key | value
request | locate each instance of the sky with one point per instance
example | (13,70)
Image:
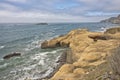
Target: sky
(25,11)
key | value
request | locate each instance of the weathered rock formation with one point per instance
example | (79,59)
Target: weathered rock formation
(89,53)
(114,20)
(8,56)
(113,30)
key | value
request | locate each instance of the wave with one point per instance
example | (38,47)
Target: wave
(4,65)
(42,61)
(33,45)
(36,67)
(20,40)
(1,47)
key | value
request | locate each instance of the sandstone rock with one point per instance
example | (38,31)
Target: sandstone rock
(81,64)
(97,63)
(79,71)
(70,76)
(63,72)
(113,30)
(66,68)
(99,37)
(85,52)
(64,43)
(91,57)
(44,45)
(50,44)
(64,76)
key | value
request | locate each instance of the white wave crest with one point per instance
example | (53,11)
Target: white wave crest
(1,47)
(4,65)
(33,45)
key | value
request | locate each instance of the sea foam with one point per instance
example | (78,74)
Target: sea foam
(1,47)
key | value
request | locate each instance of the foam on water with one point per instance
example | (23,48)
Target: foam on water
(1,47)
(33,45)
(4,65)
(35,65)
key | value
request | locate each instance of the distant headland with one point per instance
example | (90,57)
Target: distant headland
(114,20)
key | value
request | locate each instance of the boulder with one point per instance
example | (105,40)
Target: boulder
(12,55)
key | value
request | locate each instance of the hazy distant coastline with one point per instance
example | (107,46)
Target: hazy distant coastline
(114,20)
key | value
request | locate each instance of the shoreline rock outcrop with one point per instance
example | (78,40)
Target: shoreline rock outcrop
(87,59)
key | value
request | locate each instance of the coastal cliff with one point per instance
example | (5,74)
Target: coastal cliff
(114,20)
(90,55)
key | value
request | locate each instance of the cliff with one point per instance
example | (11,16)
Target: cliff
(90,54)
(114,20)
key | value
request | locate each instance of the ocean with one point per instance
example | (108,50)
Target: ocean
(26,38)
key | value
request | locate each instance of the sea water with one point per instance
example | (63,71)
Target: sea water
(26,39)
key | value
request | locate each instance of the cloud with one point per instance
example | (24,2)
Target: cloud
(102,13)
(6,6)
(7,16)
(101,5)
(57,10)
(21,1)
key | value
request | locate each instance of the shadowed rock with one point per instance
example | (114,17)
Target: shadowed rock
(52,44)
(99,37)
(12,55)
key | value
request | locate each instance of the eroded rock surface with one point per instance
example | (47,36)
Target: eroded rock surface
(89,50)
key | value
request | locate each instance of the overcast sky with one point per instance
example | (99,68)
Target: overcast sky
(57,10)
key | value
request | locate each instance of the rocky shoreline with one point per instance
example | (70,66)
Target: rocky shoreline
(61,61)
(87,56)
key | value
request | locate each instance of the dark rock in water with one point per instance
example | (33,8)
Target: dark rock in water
(12,55)
(114,20)
(42,24)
